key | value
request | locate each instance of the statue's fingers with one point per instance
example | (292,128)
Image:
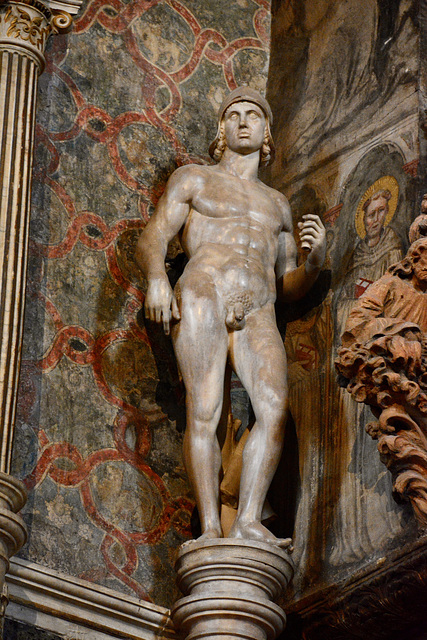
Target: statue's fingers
(307,237)
(166,321)
(158,315)
(313,217)
(311,224)
(149,313)
(175,309)
(308,229)
(314,221)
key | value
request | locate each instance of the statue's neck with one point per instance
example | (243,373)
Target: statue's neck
(242,166)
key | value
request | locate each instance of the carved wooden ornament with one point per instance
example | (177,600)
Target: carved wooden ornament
(383,363)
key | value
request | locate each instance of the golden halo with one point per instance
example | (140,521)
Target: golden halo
(386,182)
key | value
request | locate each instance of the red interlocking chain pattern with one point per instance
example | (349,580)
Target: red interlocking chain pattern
(89,229)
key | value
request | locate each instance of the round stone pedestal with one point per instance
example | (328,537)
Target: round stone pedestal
(230,587)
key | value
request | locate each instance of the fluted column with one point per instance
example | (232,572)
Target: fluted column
(24,29)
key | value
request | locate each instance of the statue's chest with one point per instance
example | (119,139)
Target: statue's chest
(239,199)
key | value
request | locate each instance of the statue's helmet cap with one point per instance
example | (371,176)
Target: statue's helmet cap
(245,94)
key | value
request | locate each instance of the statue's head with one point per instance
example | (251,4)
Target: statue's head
(414,264)
(417,253)
(244,95)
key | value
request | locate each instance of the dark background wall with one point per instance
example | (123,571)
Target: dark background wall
(344,87)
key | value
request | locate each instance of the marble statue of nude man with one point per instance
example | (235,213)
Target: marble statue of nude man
(237,234)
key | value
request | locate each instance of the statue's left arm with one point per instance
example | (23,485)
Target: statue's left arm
(294,282)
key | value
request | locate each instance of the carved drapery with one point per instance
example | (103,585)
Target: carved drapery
(24,29)
(383,361)
(385,375)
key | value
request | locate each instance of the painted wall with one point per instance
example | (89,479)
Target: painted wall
(127,97)
(343,86)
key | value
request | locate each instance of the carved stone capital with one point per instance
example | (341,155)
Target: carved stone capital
(26,25)
(230,589)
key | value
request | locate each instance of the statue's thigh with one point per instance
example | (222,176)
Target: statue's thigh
(200,338)
(259,359)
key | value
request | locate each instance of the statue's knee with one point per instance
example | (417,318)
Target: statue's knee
(204,417)
(276,403)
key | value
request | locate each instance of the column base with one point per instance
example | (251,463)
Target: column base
(230,587)
(13,532)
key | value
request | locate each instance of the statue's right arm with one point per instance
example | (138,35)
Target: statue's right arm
(294,282)
(170,215)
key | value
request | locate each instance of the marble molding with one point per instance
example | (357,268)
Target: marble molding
(24,29)
(230,589)
(74,608)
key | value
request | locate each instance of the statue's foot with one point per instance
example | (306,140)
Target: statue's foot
(209,534)
(257,531)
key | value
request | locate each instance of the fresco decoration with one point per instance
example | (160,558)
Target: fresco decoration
(348,70)
(345,514)
(127,97)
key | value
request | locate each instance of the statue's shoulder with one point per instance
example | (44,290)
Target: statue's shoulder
(191,170)
(275,195)
(282,205)
(189,174)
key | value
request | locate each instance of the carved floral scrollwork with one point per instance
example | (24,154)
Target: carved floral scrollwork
(61,22)
(383,363)
(389,374)
(26,27)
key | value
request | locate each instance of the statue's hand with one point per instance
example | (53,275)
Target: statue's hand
(313,237)
(160,303)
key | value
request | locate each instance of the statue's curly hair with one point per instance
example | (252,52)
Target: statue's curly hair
(405,268)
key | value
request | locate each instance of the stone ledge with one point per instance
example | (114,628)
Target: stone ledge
(383,601)
(57,602)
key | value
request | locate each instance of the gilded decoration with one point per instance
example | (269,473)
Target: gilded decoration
(386,183)
(31,22)
(22,25)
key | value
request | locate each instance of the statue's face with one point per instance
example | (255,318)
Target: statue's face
(420,265)
(244,127)
(375,216)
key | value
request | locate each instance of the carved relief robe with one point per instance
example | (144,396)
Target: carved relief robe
(387,303)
